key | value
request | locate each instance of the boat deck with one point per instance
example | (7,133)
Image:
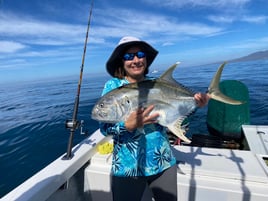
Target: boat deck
(204,174)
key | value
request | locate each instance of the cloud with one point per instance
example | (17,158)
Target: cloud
(111,23)
(261,19)
(42,37)
(33,31)
(217,4)
(147,25)
(221,18)
(225,11)
(10,46)
(59,37)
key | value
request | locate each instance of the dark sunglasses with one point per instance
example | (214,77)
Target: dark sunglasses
(130,56)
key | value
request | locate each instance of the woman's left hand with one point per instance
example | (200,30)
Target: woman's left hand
(201,99)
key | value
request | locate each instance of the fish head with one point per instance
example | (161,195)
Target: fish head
(112,109)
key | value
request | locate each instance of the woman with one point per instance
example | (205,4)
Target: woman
(139,158)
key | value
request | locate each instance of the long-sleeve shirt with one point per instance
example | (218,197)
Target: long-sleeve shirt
(143,152)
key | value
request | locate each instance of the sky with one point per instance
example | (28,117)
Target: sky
(41,39)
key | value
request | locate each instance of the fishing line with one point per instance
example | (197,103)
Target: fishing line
(73,124)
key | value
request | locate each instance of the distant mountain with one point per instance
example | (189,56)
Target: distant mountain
(254,56)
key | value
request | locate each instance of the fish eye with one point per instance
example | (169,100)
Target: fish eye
(101,105)
(125,100)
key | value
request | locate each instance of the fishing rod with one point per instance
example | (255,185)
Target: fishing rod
(73,124)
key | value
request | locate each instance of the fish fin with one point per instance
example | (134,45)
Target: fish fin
(167,75)
(214,90)
(177,129)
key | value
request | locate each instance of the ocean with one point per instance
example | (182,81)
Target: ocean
(33,114)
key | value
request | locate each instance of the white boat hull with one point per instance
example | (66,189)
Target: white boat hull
(204,174)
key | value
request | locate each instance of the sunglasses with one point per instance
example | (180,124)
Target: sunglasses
(130,56)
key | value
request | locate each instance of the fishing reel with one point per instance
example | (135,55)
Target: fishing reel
(75,124)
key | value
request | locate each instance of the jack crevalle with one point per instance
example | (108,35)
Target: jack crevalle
(173,101)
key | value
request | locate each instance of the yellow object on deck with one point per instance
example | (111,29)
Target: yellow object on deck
(105,148)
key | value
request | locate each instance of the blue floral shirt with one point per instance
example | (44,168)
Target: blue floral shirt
(143,152)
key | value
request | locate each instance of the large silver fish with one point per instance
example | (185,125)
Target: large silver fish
(173,101)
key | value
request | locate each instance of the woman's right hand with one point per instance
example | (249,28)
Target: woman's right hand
(140,117)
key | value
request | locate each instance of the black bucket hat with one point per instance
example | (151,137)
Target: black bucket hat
(115,59)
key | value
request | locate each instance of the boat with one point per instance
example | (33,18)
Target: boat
(204,173)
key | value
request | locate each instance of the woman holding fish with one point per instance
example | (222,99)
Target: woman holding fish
(142,154)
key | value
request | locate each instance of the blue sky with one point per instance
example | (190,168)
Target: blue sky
(45,38)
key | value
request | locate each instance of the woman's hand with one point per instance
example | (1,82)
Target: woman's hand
(140,117)
(201,99)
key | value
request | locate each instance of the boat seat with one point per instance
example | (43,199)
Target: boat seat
(225,120)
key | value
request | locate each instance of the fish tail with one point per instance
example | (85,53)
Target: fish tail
(214,90)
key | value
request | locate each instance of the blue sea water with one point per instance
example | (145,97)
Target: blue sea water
(32,129)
